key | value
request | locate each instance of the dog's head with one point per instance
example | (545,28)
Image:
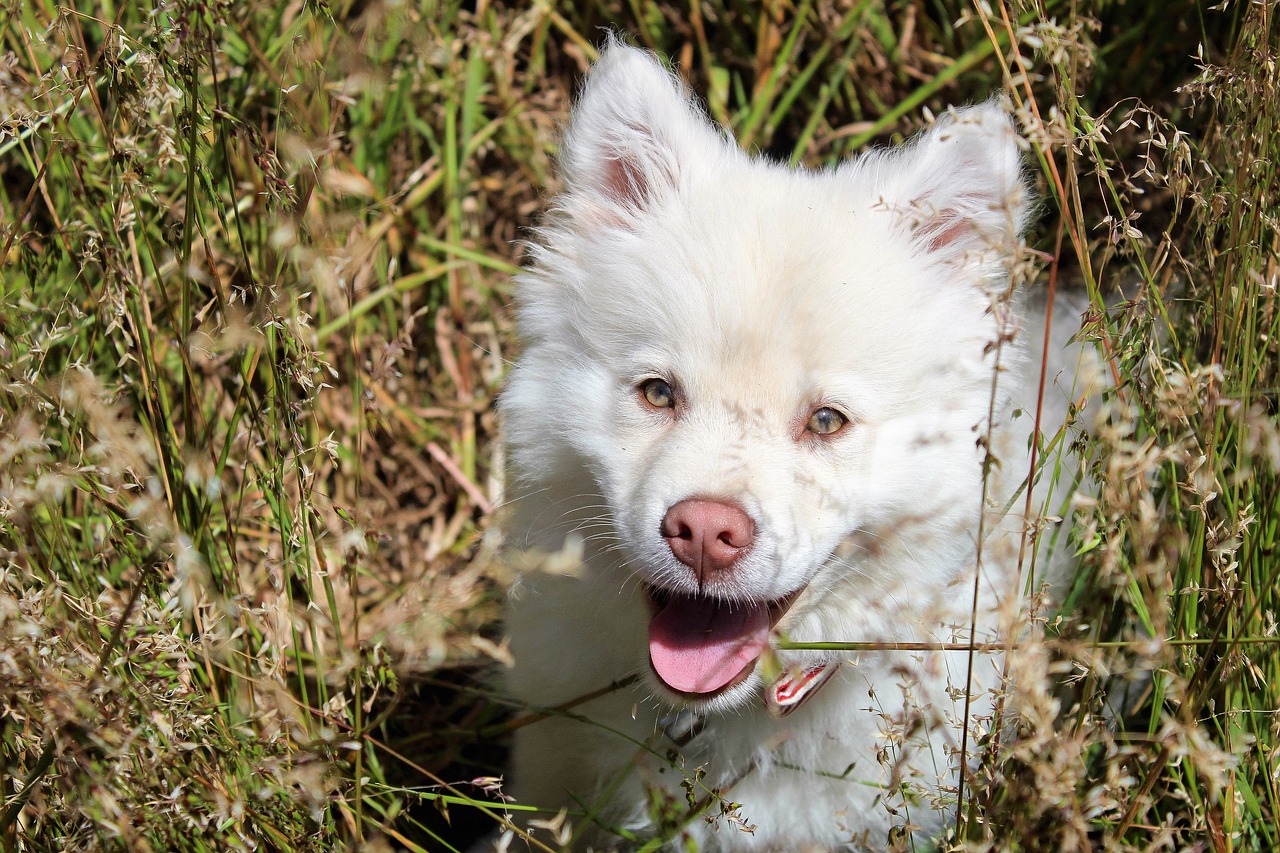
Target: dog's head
(775,381)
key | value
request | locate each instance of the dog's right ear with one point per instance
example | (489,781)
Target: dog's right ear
(634,138)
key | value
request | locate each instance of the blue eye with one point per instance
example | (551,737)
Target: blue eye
(658,393)
(826,421)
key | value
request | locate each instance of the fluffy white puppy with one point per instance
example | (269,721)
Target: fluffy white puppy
(755,402)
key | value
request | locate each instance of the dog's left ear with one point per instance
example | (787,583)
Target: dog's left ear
(634,138)
(959,188)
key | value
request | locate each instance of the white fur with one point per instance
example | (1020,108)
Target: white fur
(764,292)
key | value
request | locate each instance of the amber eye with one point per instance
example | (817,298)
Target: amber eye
(826,421)
(658,393)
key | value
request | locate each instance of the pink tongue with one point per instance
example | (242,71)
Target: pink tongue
(700,645)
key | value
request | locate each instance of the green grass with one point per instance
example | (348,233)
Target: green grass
(254,296)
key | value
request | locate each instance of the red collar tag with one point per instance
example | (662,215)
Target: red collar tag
(794,687)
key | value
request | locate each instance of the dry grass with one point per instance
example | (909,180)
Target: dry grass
(255,273)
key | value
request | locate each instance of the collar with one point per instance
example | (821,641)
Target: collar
(794,687)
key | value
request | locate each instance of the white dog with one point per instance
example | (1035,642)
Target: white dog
(754,405)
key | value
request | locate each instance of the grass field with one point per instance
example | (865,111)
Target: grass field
(255,267)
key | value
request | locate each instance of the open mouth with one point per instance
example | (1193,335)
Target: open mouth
(701,646)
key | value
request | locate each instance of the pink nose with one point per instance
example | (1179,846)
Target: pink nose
(708,536)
